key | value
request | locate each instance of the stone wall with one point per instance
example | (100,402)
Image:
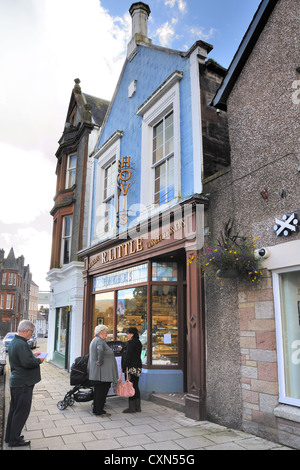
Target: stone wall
(259,377)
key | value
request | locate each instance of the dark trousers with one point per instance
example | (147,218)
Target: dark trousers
(20,405)
(135,382)
(100,394)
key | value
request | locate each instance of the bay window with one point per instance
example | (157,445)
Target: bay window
(66,240)
(71,171)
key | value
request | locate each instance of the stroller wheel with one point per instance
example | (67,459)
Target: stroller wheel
(71,401)
(62,405)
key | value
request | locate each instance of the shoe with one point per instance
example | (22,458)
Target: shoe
(138,405)
(20,444)
(7,441)
(131,408)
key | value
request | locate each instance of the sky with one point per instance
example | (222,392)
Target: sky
(44,46)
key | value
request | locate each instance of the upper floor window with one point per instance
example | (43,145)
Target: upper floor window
(3,279)
(104,210)
(12,279)
(66,240)
(71,171)
(163,160)
(110,178)
(161,155)
(10,301)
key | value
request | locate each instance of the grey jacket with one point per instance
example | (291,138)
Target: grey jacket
(102,353)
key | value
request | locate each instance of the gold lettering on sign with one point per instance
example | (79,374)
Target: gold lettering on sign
(124,177)
(134,246)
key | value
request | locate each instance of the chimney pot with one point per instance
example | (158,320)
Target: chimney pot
(139,12)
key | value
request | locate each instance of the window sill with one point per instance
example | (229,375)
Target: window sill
(288,412)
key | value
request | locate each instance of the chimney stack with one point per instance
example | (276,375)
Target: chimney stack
(139,13)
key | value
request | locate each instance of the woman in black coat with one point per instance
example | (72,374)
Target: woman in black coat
(131,359)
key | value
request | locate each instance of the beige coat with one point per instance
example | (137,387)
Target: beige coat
(100,352)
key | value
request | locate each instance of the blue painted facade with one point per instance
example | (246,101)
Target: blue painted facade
(156,86)
(150,68)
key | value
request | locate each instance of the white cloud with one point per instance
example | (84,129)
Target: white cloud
(180,4)
(201,34)
(45,45)
(27,184)
(35,246)
(165,34)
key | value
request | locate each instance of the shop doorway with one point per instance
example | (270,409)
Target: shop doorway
(61,353)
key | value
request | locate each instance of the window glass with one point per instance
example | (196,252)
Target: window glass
(134,275)
(71,171)
(61,330)
(290,320)
(164,183)
(104,312)
(66,239)
(164,272)
(132,311)
(164,325)
(110,179)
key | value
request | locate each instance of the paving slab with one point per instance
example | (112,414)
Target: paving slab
(157,427)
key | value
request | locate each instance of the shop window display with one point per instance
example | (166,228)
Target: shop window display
(132,311)
(126,304)
(104,312)
(164,325)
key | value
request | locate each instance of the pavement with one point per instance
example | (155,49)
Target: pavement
(156,428)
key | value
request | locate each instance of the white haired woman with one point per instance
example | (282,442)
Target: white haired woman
(103,369)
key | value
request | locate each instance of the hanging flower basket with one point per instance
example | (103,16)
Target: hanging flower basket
(228,273)
(231,257)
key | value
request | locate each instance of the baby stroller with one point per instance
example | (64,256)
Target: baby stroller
(80,378)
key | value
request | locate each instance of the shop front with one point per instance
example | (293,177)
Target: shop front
(147,282)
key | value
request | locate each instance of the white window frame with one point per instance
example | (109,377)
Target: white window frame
(70,170)
(108,153)
(4,279)
(109,218)
(283,398)
(2,301)
(164,160)
(165,99)
(9,304)
(64,237)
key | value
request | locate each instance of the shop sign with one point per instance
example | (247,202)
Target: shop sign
(288,225)
(136,245)
(124,177)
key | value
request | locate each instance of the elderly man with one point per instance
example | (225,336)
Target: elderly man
(25,373)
